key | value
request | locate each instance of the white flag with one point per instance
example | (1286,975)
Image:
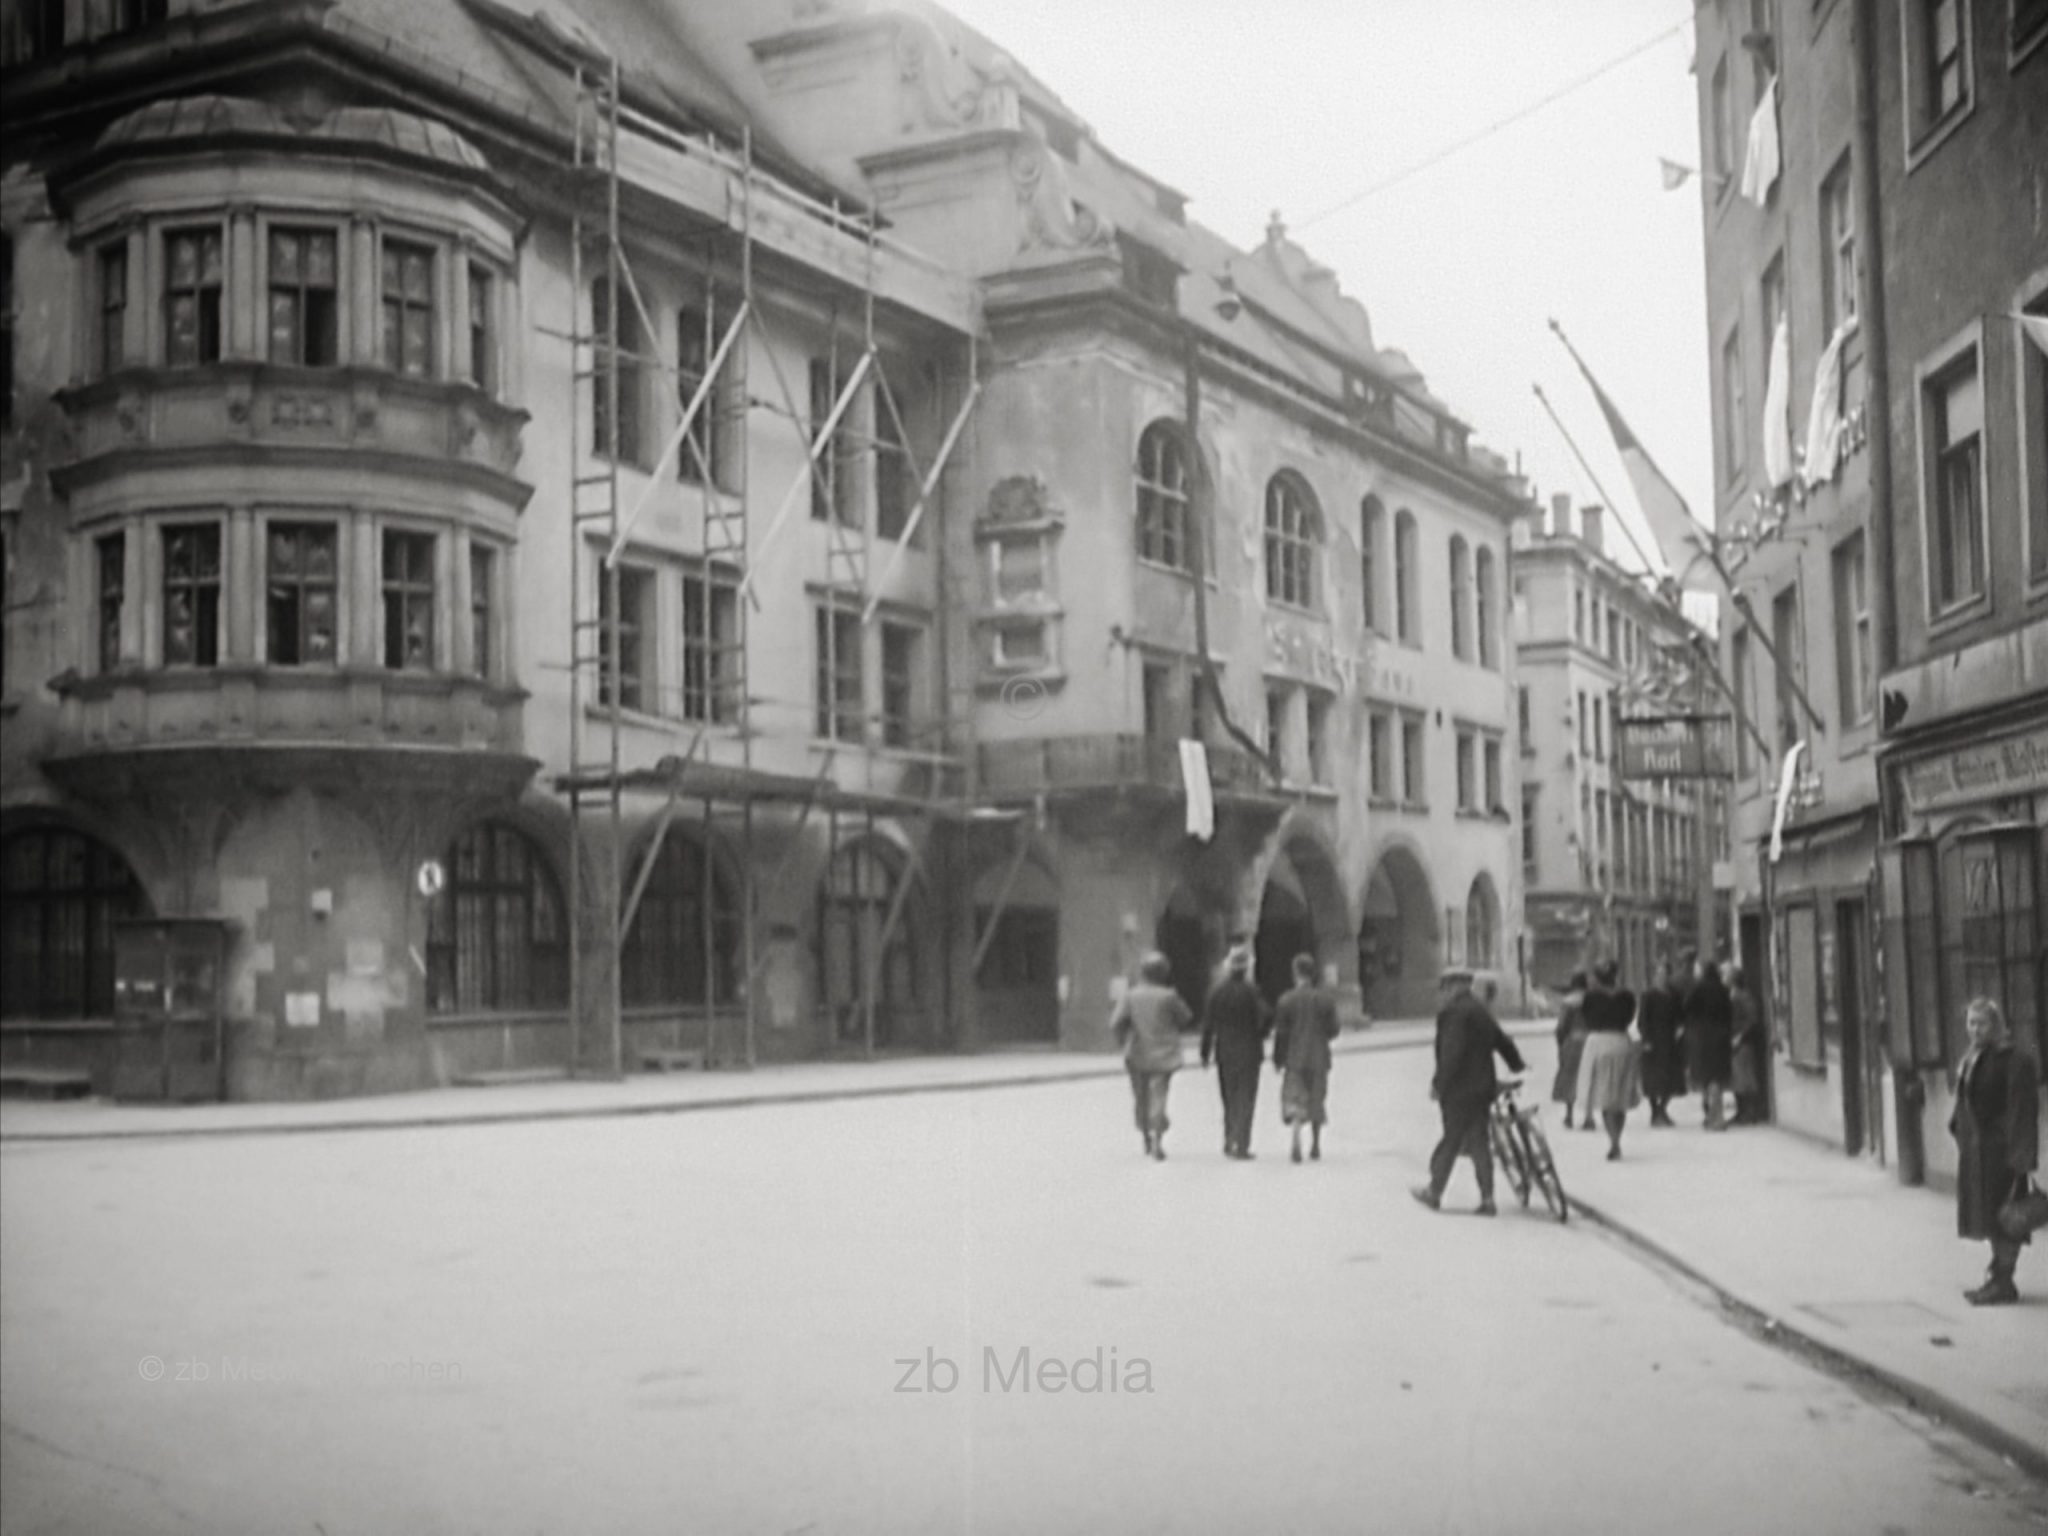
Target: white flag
(1778,408)
(1788,780)
(1194,775)
(1760,158)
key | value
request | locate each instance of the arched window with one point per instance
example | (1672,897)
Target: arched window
(495,935)
(854,905)
(1484,608)
(1482,924)
(683,946)
(1461,598)
(64,893)
(1372,530)
(1407,596)
(1294,529)
(1163,497)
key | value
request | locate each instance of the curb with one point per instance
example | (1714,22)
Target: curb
(2021,1452)
(1359,1043)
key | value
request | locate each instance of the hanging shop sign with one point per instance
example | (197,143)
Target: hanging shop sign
(1674,747)
(2016,766)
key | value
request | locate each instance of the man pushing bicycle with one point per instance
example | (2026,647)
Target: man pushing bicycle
(1468,1037)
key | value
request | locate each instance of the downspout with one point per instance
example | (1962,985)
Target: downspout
(1864,23)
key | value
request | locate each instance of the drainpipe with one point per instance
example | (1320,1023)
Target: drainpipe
(1864,22)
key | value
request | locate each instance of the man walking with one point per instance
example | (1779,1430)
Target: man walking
(1301,1047)
(1147,1024)
(1234,1026)
(1468,1037)
(1708,1027)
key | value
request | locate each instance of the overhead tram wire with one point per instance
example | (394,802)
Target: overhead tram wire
(1498,125)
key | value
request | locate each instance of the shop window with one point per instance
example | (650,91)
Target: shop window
(859,950)
(192,288)
(1953,402)
(840,688)
(305,315)
(1163,497)
(711,648)
(496,941)
(64,893)
(408,600)
(110,554)
(624,671)
(408,281)
(1024,954)
(192,595)
(1294,534)
(684,944)
(300,595)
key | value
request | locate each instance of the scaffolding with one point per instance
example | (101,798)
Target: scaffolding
(612,332)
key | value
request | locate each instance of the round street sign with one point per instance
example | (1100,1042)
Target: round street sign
(432,878)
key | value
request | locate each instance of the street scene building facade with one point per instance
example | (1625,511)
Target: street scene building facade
(589,536)
(1878,430)
(1611,865)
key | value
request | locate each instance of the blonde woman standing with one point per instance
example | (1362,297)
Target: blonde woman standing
(1997,1132)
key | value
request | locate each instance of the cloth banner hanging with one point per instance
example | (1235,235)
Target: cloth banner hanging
(1778,408)
(1788,781)
(1760,157)
(1824,426)
(1194,775)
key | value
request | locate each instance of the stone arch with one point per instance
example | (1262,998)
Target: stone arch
(1185,935)
(857,890)
(65,889)
(1302,910)
(667,954)
(1482,924)
(1018,980)
(1398,938)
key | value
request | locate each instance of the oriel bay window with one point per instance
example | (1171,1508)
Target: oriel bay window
(192,594)
(495,934)
(482,296)
(304,312)
(300,596)
(192,286)
(110,554)
(409,600)
(408,291)
(113,316)
(483,608)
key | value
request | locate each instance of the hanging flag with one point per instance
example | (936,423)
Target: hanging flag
(1788,780)
(2036,327)
(1778,408)
(1760,158)
(1824,425)
(1674,174)
(1682,542)
(1194,774)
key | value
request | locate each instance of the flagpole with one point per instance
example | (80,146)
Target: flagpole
(1634,543)
(1710,546)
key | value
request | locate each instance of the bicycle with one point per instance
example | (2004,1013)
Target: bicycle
(1522,1151)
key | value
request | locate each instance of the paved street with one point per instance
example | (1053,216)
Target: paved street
(706,1322)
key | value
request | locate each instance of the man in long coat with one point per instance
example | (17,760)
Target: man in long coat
(1996,1124)
(1234,1027)
(1663,1061)
(1468,1037)
(1709,1041)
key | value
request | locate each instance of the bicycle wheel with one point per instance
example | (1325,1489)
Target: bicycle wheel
(1544,1167)
(1507,1156)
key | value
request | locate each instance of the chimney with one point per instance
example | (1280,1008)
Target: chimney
(1590,518)
(1560,520)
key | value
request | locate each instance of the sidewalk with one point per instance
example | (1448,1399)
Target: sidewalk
(1834,1251)
(27,1120)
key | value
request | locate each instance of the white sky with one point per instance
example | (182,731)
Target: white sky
(1251,105)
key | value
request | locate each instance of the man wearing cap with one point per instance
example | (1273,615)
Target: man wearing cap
(1147,1023)
(1234,1026)
(1468,1037)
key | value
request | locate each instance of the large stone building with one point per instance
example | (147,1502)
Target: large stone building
(572,575)
(1611,866)
(1879,435)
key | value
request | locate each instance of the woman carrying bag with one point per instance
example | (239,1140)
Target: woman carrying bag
(1997,1134)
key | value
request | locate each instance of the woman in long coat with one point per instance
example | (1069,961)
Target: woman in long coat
(1571,1045)
(1708,1041)
(1663,1063)
(1997,1132)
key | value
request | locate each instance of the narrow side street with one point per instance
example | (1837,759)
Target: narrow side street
(715,1323)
